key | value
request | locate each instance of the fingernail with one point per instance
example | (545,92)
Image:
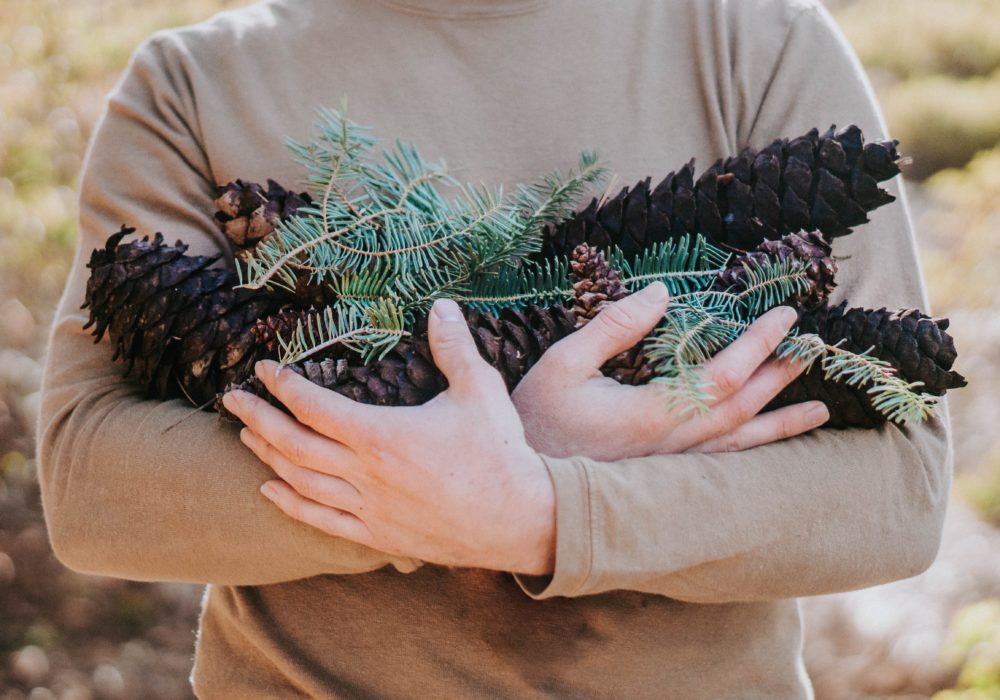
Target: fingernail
(818,412)
(653,294)
(246,437)
(788,315)
(263,367)
(231,401)
(447,310)
(268,490)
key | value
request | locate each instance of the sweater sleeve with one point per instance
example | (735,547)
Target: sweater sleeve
(142,489)
(824,512)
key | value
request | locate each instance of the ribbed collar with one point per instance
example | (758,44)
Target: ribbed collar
(459,9)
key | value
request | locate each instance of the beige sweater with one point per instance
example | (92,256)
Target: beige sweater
(675,575)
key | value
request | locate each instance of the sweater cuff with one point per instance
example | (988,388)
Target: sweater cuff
(574,536)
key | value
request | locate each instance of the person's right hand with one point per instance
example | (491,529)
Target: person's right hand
(569,408)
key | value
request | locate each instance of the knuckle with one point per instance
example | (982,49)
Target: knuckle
(306,407)
(295,450)
(555,360)
(450,340)
(732,443)
(615,320)
(726,380)
(787,427)
(306,483)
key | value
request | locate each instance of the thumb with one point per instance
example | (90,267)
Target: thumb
(452,346)
(617,327)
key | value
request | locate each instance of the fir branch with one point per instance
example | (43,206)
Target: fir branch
(539,284)
(892,396)
(555,197)
(684,264)
(371,331)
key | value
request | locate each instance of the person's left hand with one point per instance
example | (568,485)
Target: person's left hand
(450,482)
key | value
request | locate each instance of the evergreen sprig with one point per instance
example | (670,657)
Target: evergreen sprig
(399,217)
(370,331)
(391,233)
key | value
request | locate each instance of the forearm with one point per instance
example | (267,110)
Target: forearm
(825,512)
(137,488)
(149,491)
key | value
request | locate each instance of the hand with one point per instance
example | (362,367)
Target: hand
(451,482)
(569,408)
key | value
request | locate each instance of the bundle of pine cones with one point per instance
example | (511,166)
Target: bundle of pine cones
(185,328)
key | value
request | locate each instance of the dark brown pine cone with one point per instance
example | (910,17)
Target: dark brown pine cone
(407,376)
(914,343)
(268,332)
(177,322)
(595,282)
(809,248)
(247,214)
(825,183)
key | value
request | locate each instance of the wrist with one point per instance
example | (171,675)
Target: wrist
(533,520)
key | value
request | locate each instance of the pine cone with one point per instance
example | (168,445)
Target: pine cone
(176,321)
(268,332)
(915,344)
(809,248)
(825,183)
(595,282)
(247,214)
(407,376)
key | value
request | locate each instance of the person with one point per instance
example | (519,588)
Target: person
(654,566)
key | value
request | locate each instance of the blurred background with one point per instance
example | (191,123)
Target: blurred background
(936,67)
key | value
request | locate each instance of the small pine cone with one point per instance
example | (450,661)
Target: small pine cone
(178,323)
(247,214)
(512,342)
(810,248)
(595,282)
(268,332)
(825,183)
(915,344)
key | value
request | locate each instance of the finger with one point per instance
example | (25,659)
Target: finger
(316,486)
(615,329)
(766,383)
(772,426)
(330,520)
(295,441)
(455,352)
(325,411)
(729,370)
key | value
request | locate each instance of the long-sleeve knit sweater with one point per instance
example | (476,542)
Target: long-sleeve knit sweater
(675,575)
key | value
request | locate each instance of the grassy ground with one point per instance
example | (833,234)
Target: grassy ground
(937,69)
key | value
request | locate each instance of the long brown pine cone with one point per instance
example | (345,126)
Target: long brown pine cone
(912,342)
(184,331)
(177,322)
(827,183)
(512,342)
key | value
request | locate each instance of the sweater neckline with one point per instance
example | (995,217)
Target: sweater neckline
(466,9)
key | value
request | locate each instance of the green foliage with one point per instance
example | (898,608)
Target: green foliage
(962,247)
(370,330)
(683,265)
(700,324)
(981,488)
(913,38)
(401,228)
(974,647)
(57,62)
(943,122)
(388,239)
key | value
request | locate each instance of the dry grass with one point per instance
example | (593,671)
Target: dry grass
(912,38)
